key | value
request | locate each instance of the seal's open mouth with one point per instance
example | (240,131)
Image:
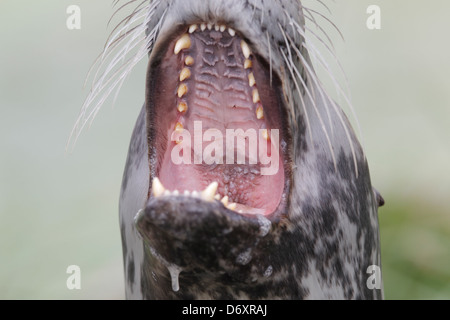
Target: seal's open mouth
(217,129)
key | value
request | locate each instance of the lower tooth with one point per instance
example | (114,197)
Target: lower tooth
(232,206)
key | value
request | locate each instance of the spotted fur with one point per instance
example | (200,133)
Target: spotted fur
(329,237)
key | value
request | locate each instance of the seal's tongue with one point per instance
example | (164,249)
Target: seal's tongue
(216,119)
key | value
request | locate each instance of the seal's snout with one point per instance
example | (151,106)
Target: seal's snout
(190,232)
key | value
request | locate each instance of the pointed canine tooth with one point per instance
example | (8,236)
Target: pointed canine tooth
(182,90)
(217,197)
(203,26)
(210,191)
(216,27)
(209,26)
(157,187)
(225,201)
(232,206)
(189,61)
(231,32)
(259,112)
(183,43)
(256,98)
(248,64)
(192,28)
(222,28)
(245,49)
(182,107)
(251,79)
(185,74)
(265,134)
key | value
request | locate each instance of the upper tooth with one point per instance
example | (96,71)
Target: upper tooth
(183,43)
(209,26)
(265,134)
(217,27)
(182,107)
(182,90)
(231,32)
(259,113)
(247,64)
(256,98)
(251,79)
(189,61)
(245,49)
(157,187)
(210,191)
(192,28)
(222,28)
(203,26)
(185,74)
(178,126)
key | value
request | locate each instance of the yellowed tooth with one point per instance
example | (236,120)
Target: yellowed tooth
(232,206)
(216,27)
(248,64)
(265,134)
(251,79)
(231,32)
(209,26)
(217,197)
(245,49)
(182,107)
(225,201)
(255,95)
(259,112)
(210,191)
(182,90)
(203,26)
(178,126)
(222,28)
(185,74)
(157,188)
(183,43)
(189,61)
(192,28)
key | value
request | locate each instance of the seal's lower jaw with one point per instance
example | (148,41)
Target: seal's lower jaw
(216,123)
(191,233)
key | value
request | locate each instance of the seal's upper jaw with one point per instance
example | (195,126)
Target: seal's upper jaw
(216,122)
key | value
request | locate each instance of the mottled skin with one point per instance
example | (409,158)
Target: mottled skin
(328,236)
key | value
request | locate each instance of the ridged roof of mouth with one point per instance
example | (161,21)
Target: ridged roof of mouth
(216,122)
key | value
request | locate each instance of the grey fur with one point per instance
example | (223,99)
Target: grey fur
(330,236)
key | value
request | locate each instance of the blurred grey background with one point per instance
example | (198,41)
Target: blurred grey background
(60,208)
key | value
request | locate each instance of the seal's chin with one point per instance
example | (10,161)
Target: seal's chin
(216,123)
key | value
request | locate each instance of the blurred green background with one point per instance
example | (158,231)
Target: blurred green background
(59,209)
